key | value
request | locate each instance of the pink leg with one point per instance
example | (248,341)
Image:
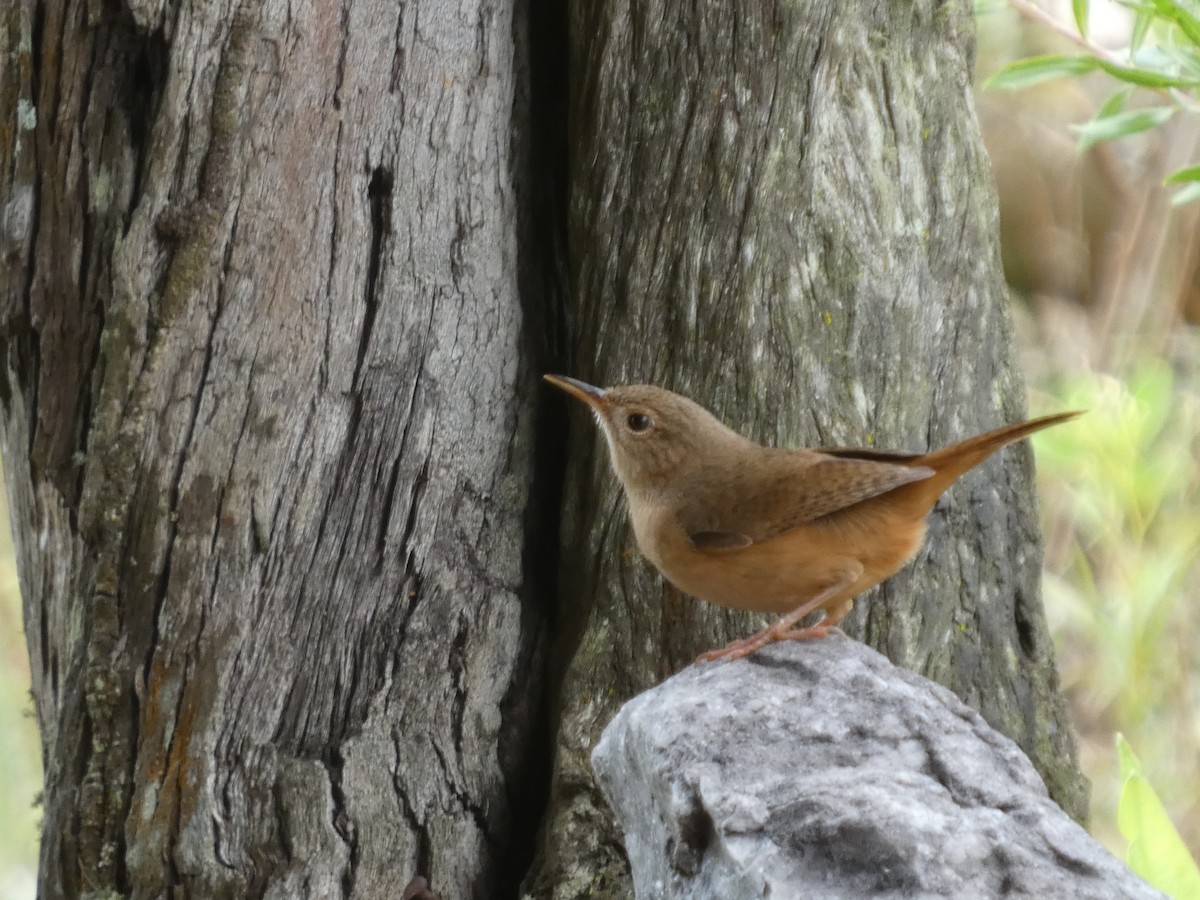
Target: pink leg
(784,629)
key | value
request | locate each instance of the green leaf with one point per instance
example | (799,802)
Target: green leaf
(1189,194)
(1121,125)
(1141,27)
(1156,851)
(1127,760)
(1188,173)
(1115,103)
(1184,58)
(1036,69)
(1188,24)
(1080,8)
(1137,5)
(1145,77)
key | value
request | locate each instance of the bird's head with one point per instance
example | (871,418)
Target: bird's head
(654,436)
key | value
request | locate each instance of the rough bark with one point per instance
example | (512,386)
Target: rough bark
(273,280)
(267,435)
(784,211)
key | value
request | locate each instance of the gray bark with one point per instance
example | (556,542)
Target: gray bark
(266,428)
(825,771)
(275,278)
(785,212)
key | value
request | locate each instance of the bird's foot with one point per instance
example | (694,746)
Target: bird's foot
(820,631)
(734,650)
(746,646)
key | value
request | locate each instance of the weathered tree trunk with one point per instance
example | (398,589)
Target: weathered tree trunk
(785,212)
(275,279)
(267,432)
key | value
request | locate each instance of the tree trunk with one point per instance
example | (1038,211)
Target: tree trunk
(278,279)
(267,432)
(785,212)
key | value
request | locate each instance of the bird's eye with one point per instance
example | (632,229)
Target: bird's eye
(639,422)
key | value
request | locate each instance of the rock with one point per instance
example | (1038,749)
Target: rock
(821,770)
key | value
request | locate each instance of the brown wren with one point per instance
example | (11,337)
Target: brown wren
(764,529)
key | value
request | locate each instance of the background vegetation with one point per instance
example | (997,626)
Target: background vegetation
(20,759)
(1120,497)
(1105,268)
(1095,147)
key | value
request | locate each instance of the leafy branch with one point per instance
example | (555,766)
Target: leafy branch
(1168,65)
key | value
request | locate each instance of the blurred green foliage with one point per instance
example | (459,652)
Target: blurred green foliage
(1162,55)
(20,759)
(1120,492)
(1156,851)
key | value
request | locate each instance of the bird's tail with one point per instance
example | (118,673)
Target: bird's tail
(951,462)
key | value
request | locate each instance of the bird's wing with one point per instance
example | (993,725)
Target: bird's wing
(753,506)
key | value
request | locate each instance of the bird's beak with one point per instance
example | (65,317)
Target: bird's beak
(580,390)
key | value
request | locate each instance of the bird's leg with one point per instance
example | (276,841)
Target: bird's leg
(785,630)
(833,615)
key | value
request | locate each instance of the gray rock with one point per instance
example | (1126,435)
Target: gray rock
(821,770)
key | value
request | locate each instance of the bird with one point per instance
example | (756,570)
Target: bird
(767,529)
